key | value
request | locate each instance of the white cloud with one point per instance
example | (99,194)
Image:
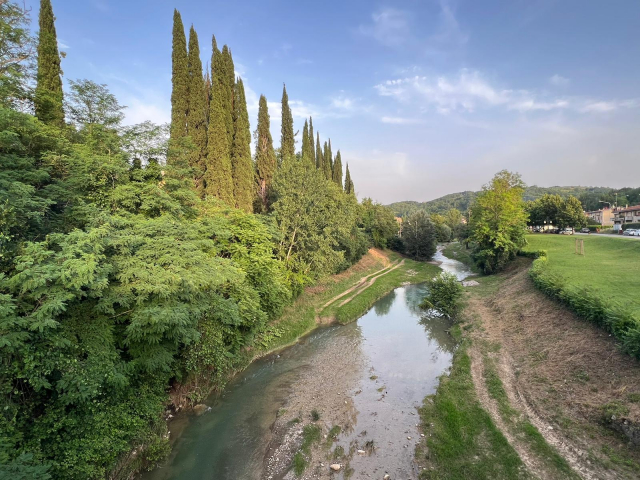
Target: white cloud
(62,45)
(343,103)
(449,30)
(401,120)
(389,26)
(139,111)
(559,81)
(469,91)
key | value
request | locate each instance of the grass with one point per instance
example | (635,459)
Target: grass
(411,271)
(610,265)
(463,442)
(311,434)
(524,429)
(457,251)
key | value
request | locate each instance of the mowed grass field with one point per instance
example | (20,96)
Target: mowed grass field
(610,265)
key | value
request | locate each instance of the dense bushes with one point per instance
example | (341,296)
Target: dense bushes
(445,293)
(611,315)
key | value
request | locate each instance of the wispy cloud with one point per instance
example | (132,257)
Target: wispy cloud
(62,45)
(559,81)
(388,26)
(469,90)
(401,120)
(449,30)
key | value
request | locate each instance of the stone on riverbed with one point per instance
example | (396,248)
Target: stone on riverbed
(470,283)
(201,408)
(335,467)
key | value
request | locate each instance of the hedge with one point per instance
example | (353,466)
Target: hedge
(611,315)
(627,226)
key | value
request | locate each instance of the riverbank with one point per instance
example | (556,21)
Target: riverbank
(534,391)
(340,298)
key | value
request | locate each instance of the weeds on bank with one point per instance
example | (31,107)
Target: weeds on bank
(311,434)
(463,441)
(522,428)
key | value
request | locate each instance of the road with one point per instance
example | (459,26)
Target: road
(607,236)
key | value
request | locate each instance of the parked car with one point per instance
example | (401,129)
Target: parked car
(566,231)
(585,230)
(629,232)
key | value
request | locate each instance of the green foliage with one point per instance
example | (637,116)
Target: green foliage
(48,98)
(311,152)
(337,170)
(348,183)
(305,141)
(16,50)
(218,174)
(287,141)
(225,74)
(196,113)
(378,223)
(319,154)
(419,236)
(557,211)
(445,293)
(242,166)
(179,80)
(498,222)
(265,156)
(327,163)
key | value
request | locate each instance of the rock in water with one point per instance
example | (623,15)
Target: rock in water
(470,283)
(200,409)
(386,477)
(335,467)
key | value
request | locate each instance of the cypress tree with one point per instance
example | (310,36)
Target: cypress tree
(218,174)
(327,161)
(287,142)
(197,112)
(207,93)
(312,147)
(179,80)
(265,155)
(228,78)
(48,95)
(319,158)
(348,184)
(242,165)
(337,170)
(305,142)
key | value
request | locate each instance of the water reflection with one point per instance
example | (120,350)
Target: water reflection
(382,306)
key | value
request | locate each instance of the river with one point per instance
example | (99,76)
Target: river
(368,377)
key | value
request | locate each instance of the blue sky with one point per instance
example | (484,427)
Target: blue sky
(423,98)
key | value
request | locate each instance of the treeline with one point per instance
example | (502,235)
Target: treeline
(591,198)
(130,257)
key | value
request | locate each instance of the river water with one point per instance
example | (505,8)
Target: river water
(369,377)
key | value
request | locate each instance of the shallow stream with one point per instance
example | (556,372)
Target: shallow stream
(369,377)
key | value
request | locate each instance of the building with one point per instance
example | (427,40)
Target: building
(626,215)
(602,217)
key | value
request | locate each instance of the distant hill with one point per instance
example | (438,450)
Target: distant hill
(463,200)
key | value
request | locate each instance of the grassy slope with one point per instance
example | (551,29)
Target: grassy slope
(611,265)
(300,318)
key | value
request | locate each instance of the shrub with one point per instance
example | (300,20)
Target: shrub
(444,294)
(627,226)
(613,316)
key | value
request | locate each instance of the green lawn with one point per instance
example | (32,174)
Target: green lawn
(610,265)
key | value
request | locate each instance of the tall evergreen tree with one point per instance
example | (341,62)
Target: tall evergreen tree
(305,142)
(48,98)
(287,142)
(197,112)
(348,183)
(242,165)
(327,161)
(228,78)
(265,156)
(337,169)
(207,93)
(319,158)
(312,146)
(179,81)
(218,174)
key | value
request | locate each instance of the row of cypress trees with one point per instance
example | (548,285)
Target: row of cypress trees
(209,117)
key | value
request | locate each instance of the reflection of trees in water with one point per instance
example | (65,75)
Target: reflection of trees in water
(437,328)
(383,305)
(414,294)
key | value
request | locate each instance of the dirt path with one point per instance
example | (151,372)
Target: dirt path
(371,282)
(558,372)
(358,284)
